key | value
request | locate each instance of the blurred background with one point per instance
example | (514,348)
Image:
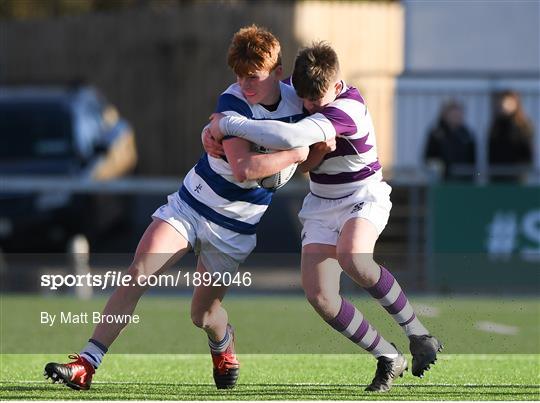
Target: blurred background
(102,103)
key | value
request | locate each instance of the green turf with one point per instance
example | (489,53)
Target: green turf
(273,325)
(289,325)
(272,377)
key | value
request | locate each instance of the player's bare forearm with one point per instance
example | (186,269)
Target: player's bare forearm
(249,165)
(316,154)
(314,159)
(258,165)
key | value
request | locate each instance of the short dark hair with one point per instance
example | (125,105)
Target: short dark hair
(315,68)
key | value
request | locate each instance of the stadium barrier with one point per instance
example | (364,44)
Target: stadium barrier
(420,244)
(484,238)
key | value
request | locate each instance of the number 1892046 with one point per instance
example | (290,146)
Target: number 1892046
(217,279)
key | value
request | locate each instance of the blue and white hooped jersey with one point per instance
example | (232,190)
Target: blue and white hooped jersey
(210,187)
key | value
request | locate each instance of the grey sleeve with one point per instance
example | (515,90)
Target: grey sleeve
(274,134)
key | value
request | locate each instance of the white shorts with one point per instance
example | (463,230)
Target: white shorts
(323,219)
(220,249)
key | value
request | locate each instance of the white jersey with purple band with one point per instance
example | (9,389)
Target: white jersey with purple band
(348,183)
(354,160)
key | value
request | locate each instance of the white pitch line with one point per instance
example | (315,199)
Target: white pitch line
(490,357)
(492,327)
(496,356)
(479,385)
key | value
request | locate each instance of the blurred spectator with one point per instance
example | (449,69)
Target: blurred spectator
(510,139)
(450,148)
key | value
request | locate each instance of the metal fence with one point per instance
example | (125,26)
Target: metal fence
(420,96)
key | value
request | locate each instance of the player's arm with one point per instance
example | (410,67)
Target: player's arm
(316,155)
(249,165)
(274,134)
(343,125)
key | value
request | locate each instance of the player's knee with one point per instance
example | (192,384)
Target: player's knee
(351,263)
(322,302)
(360,266)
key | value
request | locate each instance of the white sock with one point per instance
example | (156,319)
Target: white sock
(415,328)
(220,346)
(94,352)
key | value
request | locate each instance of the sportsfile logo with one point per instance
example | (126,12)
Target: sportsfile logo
(110,279)
(118,279)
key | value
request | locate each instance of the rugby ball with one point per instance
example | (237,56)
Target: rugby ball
(277,180)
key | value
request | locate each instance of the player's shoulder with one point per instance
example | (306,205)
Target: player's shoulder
(287,90)
(350,101)
(234,90)
(232,100)
(287,81)
(350,95)
(288,94)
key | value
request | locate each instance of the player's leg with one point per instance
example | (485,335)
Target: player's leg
(160,246)
(221,252)
(355,255)
(320,272)
(320,280)
(208,314)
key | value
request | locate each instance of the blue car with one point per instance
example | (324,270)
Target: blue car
(69,132)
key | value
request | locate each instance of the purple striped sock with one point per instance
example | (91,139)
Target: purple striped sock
(351,323)
(389,294)
(344,316)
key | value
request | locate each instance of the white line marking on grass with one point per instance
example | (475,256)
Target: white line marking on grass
(426,310)
(491,357)
(478,385)
(492,327)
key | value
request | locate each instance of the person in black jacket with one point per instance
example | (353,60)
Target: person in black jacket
(510,139)
(451,145)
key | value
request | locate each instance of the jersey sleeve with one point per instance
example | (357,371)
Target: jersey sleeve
(274,134)
(229,104)
(342,122)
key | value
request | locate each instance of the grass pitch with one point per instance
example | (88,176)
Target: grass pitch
(150,361)
(278,377)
